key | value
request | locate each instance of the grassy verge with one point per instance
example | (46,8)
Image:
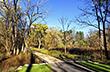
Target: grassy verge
(37,68)
(102,65)
(96,66)
(56,53)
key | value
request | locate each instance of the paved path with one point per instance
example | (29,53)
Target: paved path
(58,65)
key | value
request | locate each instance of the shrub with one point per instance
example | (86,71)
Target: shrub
(15,61)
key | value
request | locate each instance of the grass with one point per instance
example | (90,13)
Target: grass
(96,66)
(37,68)
(56,53)
(102,65)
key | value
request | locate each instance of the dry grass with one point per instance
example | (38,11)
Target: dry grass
(15,61)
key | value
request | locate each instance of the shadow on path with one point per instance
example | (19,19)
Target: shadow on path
(58,65)
(32,60)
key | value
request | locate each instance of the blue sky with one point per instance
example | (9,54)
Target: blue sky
(64,8)
(59,8)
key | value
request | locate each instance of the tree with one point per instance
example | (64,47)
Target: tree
(69,38)
(103,9)
(53,39)
(65,23)
(100,11)
(108,36)
(79,35)
(93,39)
(18,19)
(38,31)
(79,40)
(5,40)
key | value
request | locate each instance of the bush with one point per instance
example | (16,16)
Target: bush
(15,61)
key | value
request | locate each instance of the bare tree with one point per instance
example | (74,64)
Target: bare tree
(18,19)
(65,23)
(100,12)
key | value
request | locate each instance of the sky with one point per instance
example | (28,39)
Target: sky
(64,8)
(61,8)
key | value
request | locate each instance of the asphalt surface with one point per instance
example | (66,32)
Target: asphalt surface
(58,65)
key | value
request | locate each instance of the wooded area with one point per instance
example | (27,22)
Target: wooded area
(21,34)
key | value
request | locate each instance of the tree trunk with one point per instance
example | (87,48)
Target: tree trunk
(99,32)
(39,40)
(65,48)
(101,51)
(65,42)
(104,41)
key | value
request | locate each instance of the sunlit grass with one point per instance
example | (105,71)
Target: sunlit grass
(37,68)
(102,65)
(96,66)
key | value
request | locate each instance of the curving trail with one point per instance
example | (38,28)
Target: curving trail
(58,65)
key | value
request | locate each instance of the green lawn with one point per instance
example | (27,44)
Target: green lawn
(96,66)
(37,68)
